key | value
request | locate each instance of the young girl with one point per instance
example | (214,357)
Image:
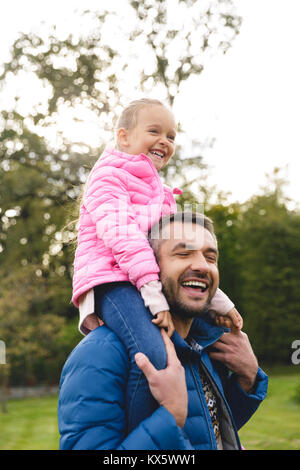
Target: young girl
(116,275)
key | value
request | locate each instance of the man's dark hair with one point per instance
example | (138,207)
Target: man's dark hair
(155,233)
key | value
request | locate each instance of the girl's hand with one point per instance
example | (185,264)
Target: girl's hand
(91,322)
(232,320)
(164,320)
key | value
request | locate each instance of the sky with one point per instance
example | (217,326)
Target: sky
(247,101)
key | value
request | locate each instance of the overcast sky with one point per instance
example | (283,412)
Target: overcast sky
(248,100)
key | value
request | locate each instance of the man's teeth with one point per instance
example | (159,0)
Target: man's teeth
(200,284)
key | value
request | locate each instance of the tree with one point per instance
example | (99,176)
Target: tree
(259,266)
(226,219)
(177,46)
(34,335)
(270,252)
(43,169)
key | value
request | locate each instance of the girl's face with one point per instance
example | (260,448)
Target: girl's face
(154,135)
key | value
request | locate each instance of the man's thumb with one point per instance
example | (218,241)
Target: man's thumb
(144,364)
(139,359)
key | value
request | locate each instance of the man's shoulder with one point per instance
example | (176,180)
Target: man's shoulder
(100,348)
(101,334)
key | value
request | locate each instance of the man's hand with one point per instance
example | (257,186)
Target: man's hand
(235,351)
(168,386)
(164,320)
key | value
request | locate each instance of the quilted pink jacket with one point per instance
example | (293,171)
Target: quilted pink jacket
(124,196)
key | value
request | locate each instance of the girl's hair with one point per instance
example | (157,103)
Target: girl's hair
(128,118)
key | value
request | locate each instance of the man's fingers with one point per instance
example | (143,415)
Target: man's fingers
(145,365)
(171,353)
(235,330)
(228,338)
(224,339)
(217,356)
(220,346)
(171,329)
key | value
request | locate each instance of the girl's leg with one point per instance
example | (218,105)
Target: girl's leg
(122,309)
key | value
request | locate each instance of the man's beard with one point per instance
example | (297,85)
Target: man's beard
(178,308)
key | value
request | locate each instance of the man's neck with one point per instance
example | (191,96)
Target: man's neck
(182,327)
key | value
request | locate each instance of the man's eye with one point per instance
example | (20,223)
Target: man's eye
(183,254)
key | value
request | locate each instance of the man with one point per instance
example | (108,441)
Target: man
(204,395)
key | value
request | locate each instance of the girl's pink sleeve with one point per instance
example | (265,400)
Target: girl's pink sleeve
(220,303)
(153,297)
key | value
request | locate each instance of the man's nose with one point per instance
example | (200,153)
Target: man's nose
(199,263)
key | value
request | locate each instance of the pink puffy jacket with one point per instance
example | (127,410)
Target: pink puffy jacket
(124,196)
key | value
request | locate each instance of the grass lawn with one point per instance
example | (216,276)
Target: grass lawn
(31,424)
(276,424)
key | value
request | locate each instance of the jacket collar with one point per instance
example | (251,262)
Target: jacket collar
(203,333)
(137,165)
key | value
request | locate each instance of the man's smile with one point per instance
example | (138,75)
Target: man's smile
(195,286)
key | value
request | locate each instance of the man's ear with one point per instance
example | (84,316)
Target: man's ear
(122,137)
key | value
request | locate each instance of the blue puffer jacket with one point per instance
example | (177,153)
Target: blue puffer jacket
(91,411)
